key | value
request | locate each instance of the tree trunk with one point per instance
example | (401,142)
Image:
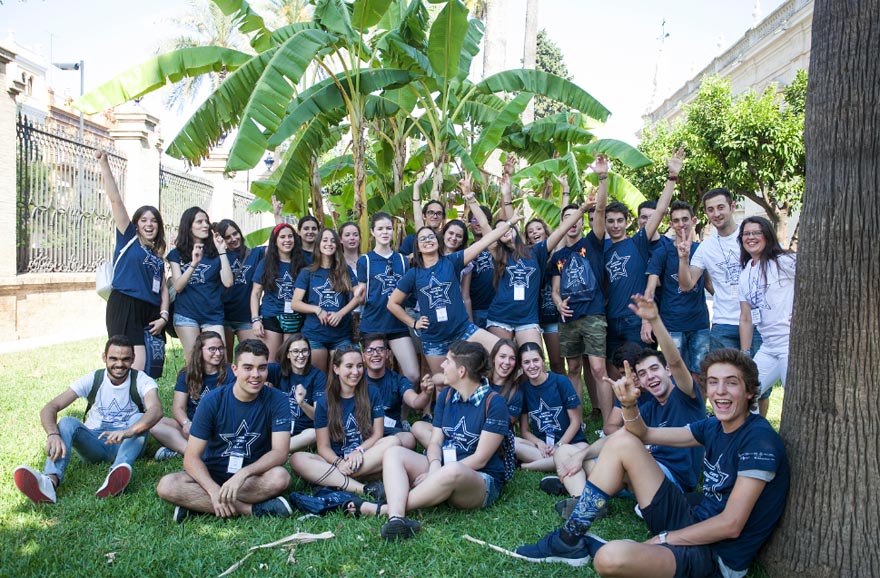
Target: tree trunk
(315,190)
(360,176)
(831,525)
(530,51)
(495,47)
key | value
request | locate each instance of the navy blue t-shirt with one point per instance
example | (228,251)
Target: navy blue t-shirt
(580,270)
(680,310)
(209,383)
(237,299)
(315,383)
(438,288)
(202,299)
(482,289)
(407,246)
(352,438)
(279,292)
(380,275)
(392,386)
(679,410)
(514,401)
(319,291)
(547,312)
(521,278)
(139,270)
(462,422)
(547,404)
(754,450)
(626,264)
(234,428)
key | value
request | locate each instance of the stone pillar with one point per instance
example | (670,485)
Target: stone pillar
(221,199)
(9,89)
(136,136)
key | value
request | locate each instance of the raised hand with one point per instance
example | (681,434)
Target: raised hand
(683,244)
(674,162)
(600,165)
(299,394)
(646,309)
(624,388)
(563,181)
(197,252)
(465,184)
(219,242)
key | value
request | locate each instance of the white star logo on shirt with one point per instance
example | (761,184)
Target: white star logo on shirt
(520,274)
(573,274)
(198,276)
(731,267)
(239,270)
(546,417)
(437,293)
(352,434)
(113,413)
(285,287)
(461,437)
(239,443)
(616,267)
(713,478)
(483,262)
(157,348)
(389,281)
(327,297)
(757,295)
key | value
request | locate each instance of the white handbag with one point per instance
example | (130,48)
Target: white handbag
(104,273)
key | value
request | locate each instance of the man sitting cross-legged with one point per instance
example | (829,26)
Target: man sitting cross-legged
(746,479)
(122,407)
(238,442)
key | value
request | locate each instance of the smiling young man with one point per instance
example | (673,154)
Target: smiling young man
(238,443)
(745,483)
(123,405)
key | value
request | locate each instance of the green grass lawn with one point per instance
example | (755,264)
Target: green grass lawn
(80,535)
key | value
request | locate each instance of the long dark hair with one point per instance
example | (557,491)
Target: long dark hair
(273,259)
(184,241)
(339,277)
(772,249)
(195,366)
(417,259)
(158,244)
(284,354)
(223,226)
(509,388)
(503,254)
(541,222)
(362,409)
(442,237)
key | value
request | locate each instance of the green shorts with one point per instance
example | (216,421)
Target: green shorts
(584,336)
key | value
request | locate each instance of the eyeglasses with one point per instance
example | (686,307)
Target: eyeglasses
(474,221)
(216,349)
(377,349)
(426,238)
(298,352)
(433,213)
(755,234)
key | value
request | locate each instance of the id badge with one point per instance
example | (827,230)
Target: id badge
(441,314)
(157,285)
(756,316)
(550,440)
(235,464)
(292,425)
(390,422)
(449,455)
(519,292)
(288,308)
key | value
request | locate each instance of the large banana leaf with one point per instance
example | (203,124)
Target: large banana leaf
(537,173)
(470,47)
(490,137)
(335,16)
(628,155)
(447,37)
(220,112)
(283,34)
(368,13)
(247,21)
(319,136)
(157,72)
(271,96)
(547,85)
(549,211)
(621,190)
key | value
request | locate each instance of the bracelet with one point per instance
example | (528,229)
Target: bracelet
(220,254)
(672,178)
(630,406)
(416,200)
(186,423)
(469,197)
(509,224)
(638,416)
(53,434)
(255,319)
(165,311)
(415,322)
(508,203)
(603,176)
(434,460)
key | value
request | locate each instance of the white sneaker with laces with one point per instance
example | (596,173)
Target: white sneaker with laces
(36,486)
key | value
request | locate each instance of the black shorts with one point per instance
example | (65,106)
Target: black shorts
(671,510)
(284,323)
(129,316)
(220,477)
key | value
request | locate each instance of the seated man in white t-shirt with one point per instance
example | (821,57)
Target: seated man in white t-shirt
(122,406)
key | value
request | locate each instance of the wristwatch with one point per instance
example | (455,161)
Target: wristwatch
(661,537)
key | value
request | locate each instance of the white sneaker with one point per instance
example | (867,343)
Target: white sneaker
(164,453)
(36,486)
(115,482)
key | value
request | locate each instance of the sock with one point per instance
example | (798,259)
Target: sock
(590,504)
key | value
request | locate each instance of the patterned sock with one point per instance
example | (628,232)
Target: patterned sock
(591,503)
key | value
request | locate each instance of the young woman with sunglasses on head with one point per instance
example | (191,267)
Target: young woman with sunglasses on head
(237,299)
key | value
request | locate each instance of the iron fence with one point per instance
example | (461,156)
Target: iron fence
(64,223)
(249,222)
(177,192)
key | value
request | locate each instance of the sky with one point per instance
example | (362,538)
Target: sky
(611,48)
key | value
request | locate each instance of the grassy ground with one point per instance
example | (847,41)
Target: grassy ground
(134,533)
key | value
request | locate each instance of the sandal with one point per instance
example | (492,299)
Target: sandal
(354,506)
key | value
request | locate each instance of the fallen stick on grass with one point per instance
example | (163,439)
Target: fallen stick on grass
(292,540)
(493,546)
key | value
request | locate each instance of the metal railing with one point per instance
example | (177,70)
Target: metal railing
(64,223)
(178,192)
(249,222)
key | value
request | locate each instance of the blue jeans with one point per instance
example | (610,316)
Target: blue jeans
(723,336)
(77,436)
(693,346)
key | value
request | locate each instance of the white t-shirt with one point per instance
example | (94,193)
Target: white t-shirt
(720,257)
(113,407)
(770,299)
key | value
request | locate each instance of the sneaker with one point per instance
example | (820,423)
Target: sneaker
(36,486)
(553,485)
(565,507)
(639,512)
(376,491)
(115,482)
(551,548)
(400,528)
(181,514)
(275,507)
(164,453)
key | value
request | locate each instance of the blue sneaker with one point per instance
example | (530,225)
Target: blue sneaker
(551,548)
(274,507)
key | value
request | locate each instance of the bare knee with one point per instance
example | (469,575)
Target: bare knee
(611,559)
(298,461)
(167,486)
(622,441)
(276,480)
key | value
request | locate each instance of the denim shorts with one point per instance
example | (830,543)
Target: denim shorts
(331,345)
(441,348)
(493,489)
(235,326)
(513,328)
(693,346)
(481,316)
(549,328)
(182,321)
(723,336)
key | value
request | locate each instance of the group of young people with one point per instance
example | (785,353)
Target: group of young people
(448,387)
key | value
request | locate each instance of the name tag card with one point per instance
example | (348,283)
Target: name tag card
(519,293)
(441,314)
